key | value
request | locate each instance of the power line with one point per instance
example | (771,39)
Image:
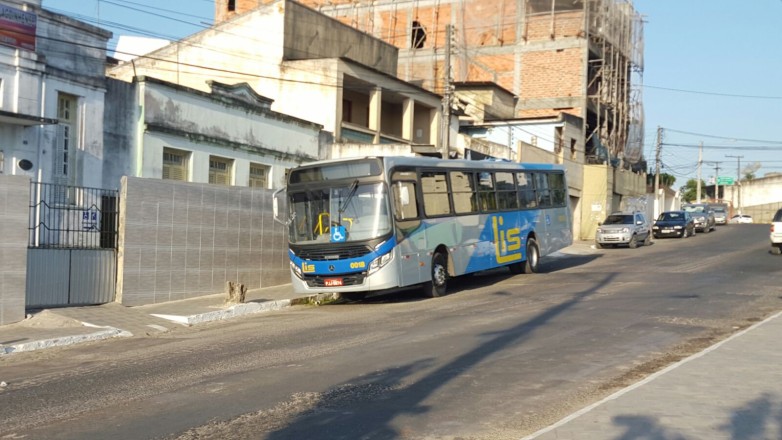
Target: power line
(727,147)
(730,138)
(698,92)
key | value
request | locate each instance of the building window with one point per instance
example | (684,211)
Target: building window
(419,35)
(231,5)
(66,131)
(259,176)
(174,164)
(220,170)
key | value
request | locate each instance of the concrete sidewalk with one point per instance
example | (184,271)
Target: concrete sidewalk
(732,391)
(72,325)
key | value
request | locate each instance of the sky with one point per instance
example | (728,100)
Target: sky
(712,74)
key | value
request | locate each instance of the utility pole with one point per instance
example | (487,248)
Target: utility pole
(738,181)
(717,181)
(698,184)
(446,137)
(657,171)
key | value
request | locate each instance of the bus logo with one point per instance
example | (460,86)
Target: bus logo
(507,243)
(307,267)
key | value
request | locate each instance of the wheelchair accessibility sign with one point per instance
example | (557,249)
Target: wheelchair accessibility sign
(338,234)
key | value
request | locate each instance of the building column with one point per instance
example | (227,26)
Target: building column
(375,107)
(408,120)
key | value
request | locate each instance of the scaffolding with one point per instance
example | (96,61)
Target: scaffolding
(515,44)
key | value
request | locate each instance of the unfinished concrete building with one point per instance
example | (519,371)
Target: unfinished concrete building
(580,57)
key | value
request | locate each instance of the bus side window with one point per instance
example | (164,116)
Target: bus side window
(405,204)
(506,191)
(434,186)
(542,188)
(487,198)
(465,199)
(556,183)
(526,187)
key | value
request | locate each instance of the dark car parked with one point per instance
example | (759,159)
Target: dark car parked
(674,224)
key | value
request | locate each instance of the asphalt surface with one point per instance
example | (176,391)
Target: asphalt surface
(729,390)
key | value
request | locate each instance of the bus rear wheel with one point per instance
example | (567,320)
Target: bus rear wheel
(533,257)
(439,282)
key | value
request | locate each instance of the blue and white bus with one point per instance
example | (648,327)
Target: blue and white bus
(376,223)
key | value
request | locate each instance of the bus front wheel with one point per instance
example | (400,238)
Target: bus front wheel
(437,285)
(533,257)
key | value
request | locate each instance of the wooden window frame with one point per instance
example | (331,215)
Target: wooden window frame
(215,172)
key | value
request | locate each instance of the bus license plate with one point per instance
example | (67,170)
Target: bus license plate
(332,282)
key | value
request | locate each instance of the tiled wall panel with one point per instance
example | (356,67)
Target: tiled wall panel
(14,209)
(183,240)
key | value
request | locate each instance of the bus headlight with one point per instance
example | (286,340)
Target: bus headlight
(379,262)
(296,269)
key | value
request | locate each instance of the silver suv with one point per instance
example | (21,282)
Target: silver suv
(630,228)
(720,215)
(703,216)
(776,233)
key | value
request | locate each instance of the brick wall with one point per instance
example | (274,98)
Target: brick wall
(563,25)
(14,215)
(183,240)
(549,74)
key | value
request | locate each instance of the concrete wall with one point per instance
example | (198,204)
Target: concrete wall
(756,192)
(597,200)
(14,215)
(762,213)
(309,34)
(628,183)
(184,240)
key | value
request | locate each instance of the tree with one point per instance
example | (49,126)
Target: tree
(690,190)
(749,171)
(665,179)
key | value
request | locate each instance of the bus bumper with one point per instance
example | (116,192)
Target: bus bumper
(385,278)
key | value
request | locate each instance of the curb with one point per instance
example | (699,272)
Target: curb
(106,333)
(249,309)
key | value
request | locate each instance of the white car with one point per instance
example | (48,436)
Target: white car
(776,233)
(743,218)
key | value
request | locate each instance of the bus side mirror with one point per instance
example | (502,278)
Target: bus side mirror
(276,209)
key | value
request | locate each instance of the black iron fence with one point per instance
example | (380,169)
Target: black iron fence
(73,217)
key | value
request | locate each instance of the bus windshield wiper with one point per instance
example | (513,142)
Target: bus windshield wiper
(348,198)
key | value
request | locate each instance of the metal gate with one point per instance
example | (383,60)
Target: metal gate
(72,249)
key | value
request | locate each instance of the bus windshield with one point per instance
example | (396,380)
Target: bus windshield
(340,214)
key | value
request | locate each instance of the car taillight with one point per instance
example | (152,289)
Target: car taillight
(772,227)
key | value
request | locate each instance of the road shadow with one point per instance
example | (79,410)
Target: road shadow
(475,280)
(571,261)
(757,419)
(403,390)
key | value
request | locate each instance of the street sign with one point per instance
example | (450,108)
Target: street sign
(724,180)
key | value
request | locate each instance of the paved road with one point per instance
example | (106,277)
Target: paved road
(501,357)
